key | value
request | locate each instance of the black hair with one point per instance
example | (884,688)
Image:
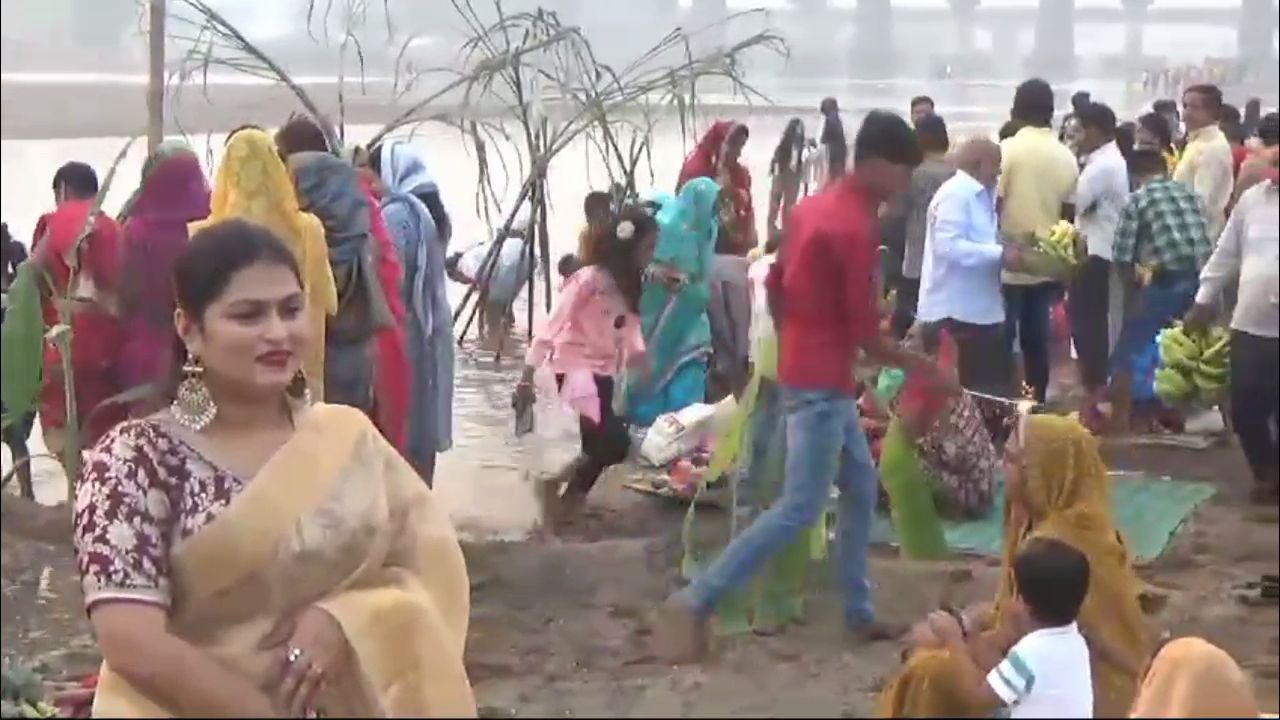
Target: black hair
(1164,106)
(1146,163)
(568,265)
(1234,132)
(922,100)
(597,199)
(1156,124)
(1009,129)
(1099,117)
(219,251)
(374,155)
(1033,103)
(1211,93)
(1269,129)
(1125,139)
(1080,99)
(931,133)
(829,105)
(77,179)
(792,141)
(618,256)
(1229,114)
(1052,578)
(886,136)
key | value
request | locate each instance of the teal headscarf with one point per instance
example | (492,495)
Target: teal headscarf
(677,331)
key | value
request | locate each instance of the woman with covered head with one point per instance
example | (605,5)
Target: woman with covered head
(402,179)
(173,193)
(1056,488)
(247,553)
(329,188)
(1192,678)
(673,307)
(253,184)
(718,156)
(391,365)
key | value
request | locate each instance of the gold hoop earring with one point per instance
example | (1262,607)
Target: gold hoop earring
(193,406)
(299,390)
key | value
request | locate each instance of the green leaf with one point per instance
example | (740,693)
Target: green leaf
(22,344)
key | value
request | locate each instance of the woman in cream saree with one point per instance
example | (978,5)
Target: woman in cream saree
(336,518)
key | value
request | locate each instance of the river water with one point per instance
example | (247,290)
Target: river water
(483,480)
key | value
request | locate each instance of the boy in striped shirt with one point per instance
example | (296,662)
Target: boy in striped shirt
(1046,674)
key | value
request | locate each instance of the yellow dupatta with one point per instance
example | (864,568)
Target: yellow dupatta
(1068,495)
(1191,678)
(336,519)
(254,184)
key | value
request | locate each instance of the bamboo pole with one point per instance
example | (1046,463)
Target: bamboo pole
(155,78)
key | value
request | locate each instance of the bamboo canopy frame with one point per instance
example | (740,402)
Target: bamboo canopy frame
(526,67)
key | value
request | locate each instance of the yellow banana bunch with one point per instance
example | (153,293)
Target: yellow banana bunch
(1060,243)
(1194,366)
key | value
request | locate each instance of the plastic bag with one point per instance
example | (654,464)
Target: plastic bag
(677,434)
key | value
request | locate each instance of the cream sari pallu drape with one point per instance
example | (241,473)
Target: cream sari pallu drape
(338,519)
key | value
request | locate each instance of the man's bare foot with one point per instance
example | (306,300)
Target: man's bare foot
(680,635)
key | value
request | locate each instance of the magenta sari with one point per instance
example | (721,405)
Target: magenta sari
(173,192)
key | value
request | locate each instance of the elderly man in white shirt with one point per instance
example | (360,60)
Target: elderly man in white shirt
(960,275)
(1096,300)
(1249,251)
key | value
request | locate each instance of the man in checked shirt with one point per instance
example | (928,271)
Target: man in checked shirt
(1164,229)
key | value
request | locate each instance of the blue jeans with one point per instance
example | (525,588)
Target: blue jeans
(825,445)
(1159,304)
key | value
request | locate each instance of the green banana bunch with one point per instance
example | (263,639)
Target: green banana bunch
(1195,367)
(1060,243)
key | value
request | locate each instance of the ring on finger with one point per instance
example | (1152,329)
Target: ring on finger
(294,655)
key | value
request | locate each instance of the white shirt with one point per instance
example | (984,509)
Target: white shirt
(960,276)
(1046,675)
(1101,193)
(1250,250)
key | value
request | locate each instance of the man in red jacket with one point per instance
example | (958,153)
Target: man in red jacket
(825,303)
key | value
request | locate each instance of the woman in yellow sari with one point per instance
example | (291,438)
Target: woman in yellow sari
(253,184)
(1057,487)
(1192,678)
(247,553)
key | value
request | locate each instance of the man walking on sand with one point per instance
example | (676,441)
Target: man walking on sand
(823,298)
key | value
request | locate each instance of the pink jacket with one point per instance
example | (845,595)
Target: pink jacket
(590,328)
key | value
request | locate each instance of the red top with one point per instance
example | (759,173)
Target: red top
(735,184)
(1239,153)
(98,255)
(826,275)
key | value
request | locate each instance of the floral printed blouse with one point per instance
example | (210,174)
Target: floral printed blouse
(142,491)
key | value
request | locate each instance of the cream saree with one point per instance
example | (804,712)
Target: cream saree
(338,519)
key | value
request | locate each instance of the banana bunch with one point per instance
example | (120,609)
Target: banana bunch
(1193,367)
(1060,243)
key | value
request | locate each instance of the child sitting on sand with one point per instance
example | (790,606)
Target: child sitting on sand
(1047,673)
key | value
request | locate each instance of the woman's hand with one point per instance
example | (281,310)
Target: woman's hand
(308,649)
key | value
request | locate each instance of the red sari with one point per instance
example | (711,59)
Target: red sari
(737,213)
(391,374)
(96,332)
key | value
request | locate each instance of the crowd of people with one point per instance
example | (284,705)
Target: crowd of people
(257,534)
